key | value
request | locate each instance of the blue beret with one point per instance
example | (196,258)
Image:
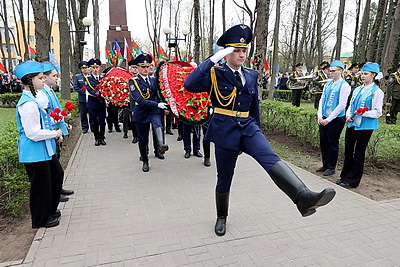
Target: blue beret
(372,67)
(47,66)
(142,60)
(94,62)
(83,64)
(237,36)
(337,63)
(27,67)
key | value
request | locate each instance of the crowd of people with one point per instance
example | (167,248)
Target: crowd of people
(234,127)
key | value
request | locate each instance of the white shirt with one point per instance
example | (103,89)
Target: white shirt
(240,74)
(377,103)
(344,94)
(30,120)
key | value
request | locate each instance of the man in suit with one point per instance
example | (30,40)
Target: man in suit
(147,109)
(80,87)
(235,125)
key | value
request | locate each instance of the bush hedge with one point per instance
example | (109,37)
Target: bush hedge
(9,100)
(286,95)
(302,123)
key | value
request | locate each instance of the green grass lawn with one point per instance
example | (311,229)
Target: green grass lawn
(6,114)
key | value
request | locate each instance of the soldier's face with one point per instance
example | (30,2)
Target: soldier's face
(95,70)
(143,70)
(355,69)
(85,70)
(237,57)
(133,70)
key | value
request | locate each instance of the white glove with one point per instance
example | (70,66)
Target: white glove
(221,54)
(162,105)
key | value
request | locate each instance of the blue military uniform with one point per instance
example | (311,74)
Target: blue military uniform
(235,127)
(80,87)
(146,109)
(96,105)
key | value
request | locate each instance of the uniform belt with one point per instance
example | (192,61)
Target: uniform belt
(232,113)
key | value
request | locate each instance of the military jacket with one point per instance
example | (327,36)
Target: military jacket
(223,130)
(145,98)
(79,83)
(353,79)
(394,85)
(95,100)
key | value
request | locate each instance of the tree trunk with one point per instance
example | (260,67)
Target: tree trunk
(64,49)
(391,12)
(42,28)
(319,31)
(338,46)
(364,31)
(291,56)
(223,16)
(381,33)
(372,45)
(296,38)
(356,50)
(211,36)
(196,26)
(276,48)
(7,36)
(96,32)
(304,33)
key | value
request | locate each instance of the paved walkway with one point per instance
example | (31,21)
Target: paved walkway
(120,216)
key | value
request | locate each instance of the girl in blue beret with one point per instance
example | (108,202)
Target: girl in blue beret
(37,148)
(362,119)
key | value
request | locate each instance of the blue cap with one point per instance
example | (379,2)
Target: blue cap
(83,64)
(27,67)
(47,66)
(142,60)
(372,67)
(94,62)
(132,63)
(337,63)
(237,36)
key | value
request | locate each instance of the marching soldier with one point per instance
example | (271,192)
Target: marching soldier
(394,95)
(147,108)
(80,87)
(127,112)
(96,103)
(296,93)
(235,125)
(320,75)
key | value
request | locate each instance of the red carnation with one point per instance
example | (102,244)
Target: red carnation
(69,106)
(56,110)
(64,113)
(84,88)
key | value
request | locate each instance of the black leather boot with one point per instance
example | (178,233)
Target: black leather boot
(95,131)
(144,158)
(160,141)
(306,200)
(206,149)
(222,204)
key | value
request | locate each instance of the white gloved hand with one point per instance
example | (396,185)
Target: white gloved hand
(162,105)
(221,54)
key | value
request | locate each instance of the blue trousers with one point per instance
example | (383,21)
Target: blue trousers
(97,117)
(255,146)
(187,129)
(143,129)
(83,113)
(329,141)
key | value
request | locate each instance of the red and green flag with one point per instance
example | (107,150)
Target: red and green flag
(161,53)
(127,51)
(118,56)
(135,47)
(31,52)
(186,58)
(109,57)
(153,59)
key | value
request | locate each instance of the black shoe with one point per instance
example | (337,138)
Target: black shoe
(321,169)
(159,155)
(85,131)
(110,130)
(338,181)
(145,166)
(310,201)
(134,140)
(179,138)
(102,142)
(220,226)
(63,198)
(197,153)
(66,192)
(207,162)
(117,129)
(97,142)
(329,172)
(169,132)
(125,135)
(56,214)
(187,155)
(345,185)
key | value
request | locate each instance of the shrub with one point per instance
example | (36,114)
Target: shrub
(9,100)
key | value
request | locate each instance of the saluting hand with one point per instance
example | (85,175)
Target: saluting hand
(221,54)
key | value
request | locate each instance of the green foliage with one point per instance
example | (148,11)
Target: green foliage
(302,123)
(286,95)
(9,100)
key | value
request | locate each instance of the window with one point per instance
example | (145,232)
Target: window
(52,51)
(31,38)
(51,39)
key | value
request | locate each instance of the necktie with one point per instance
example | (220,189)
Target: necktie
(238,79)
(147,81)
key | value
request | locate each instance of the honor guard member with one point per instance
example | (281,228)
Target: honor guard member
(321,75)
(235,125)
(394,95)
(296,93)
(332,117)
(127,112)
(147,108)
(80,87)
(96,103)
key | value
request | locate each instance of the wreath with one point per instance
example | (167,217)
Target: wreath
(114,86)
(192,108)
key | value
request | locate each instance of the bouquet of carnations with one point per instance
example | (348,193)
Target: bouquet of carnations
(58,115)
(114,86)
(193,108)
(360,111)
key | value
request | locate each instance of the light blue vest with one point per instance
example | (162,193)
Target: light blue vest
(359,100)
(30,151)
(53,104)
(331,97)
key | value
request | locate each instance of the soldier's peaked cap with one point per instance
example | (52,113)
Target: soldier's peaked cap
(94,62)
(142,60)
(237,36)
(83,64)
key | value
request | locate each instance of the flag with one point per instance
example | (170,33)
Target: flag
(252,62)
(54,61)
(109,56)
(127,51)
(161,53)
(152,58)
(266,65)
(2,67)
(31,52)
(176,58)
(186,58)
(135,47)
(118,56)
